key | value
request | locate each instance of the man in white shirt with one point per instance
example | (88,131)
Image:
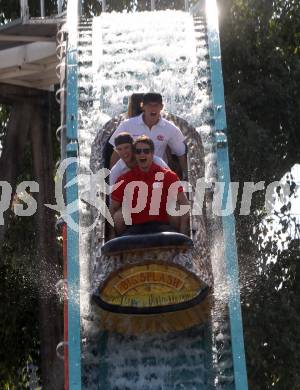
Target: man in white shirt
(123,146)
(150,123)
(155,208)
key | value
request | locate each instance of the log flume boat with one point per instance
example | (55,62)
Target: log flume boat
(157,279)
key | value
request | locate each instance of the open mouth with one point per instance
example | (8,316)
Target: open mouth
(142,160)
(153,113)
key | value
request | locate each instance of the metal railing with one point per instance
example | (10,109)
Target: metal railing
(186,5)
(152,5)
(61,4)
(25,12)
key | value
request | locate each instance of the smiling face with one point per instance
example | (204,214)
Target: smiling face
(152,113)
(125,151)
(144,156)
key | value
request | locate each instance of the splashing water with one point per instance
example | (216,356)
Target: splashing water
(150,52)
(125,54)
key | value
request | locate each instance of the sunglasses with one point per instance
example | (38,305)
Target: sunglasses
(145,151)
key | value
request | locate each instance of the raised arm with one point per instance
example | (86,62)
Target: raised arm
(178,147)
(113,208)
(113,159)
(184,219)
(183,166)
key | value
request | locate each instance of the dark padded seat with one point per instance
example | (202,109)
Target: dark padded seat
(147,236)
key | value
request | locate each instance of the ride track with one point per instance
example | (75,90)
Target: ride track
(184,359)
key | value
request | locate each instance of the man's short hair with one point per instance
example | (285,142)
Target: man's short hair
(123,138)
(152,97)
(145,140)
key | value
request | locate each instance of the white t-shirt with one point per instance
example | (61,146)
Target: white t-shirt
(120,168)
(162,134)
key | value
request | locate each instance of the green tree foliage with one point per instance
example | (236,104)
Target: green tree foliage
(91,7)
(262,74)
(272,334)
(271,306)
(19,335)
(9,10)
(4,115)
(261,66)
(20,291)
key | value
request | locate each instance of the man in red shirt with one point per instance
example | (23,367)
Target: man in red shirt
(148,193)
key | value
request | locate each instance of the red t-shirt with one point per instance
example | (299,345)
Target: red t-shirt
(151,194)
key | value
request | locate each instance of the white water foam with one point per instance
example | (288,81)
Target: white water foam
(135,53)
(149,52)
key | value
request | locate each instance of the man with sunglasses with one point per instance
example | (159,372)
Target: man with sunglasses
(162,132)
(144,192)
(124,148)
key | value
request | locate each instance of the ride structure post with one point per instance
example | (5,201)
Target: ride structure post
(73,266)
(228,221)
(66,337)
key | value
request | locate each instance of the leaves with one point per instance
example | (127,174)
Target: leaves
(260,42)
(19,335)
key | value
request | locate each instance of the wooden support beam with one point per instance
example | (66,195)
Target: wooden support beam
(20,71)
(14,147)
(25,70)
(27,53)
(25,38)
(9,94)
(47,262)
(20,83)
(32,67)
(45,85)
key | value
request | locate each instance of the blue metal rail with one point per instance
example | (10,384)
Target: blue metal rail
(228,222)
(74,340)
